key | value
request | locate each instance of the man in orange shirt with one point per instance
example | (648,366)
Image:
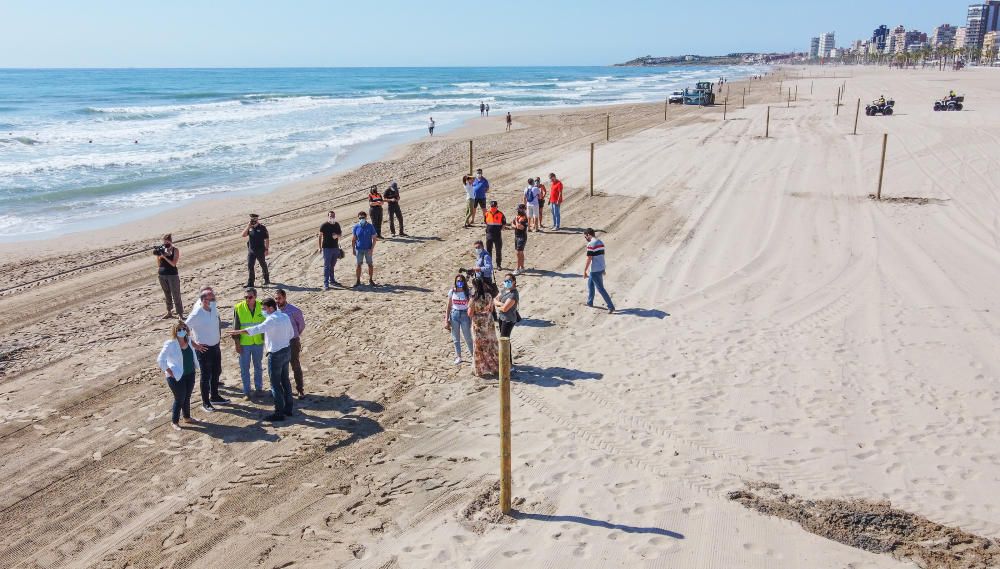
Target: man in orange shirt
(555,199)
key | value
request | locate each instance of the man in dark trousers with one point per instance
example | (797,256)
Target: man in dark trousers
(495,224)
(392,198)
(258,248)
(375,201)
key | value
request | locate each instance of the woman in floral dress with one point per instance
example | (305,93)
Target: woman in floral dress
(484,334)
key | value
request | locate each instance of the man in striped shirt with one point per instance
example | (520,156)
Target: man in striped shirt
(593,271)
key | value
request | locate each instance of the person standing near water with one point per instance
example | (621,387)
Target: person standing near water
(277,332)
(178,362)
(555,200)
(375,201)
(167,258)
(509,121)
(430,126)
(487,110)
(392,198)
(456,317)
(482,109)
(593,271)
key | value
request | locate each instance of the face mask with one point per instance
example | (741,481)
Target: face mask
(211,305)
(508,284)
(361,220)
(182,333)
(477,251)
(459,284)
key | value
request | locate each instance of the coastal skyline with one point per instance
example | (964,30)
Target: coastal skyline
(395,34)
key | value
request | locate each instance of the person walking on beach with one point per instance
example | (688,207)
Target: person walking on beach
(250,347)
(555,200)
(520,237)
(484,334)
(487,110)
(480,185)
(363,241)
(392,198)
(530,199)
(430,126)
(277,331)
(509,121)
(295,344)
(206,326)
(470,205)
(178,362)
(484,263)
(506,304)
(258,248)
(328,242)
(375,201)
(542,194)
(457,319)
(495,224)
(167,259)
(593,271)
(482,109)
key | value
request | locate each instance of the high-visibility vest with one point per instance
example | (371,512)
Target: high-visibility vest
(375,200)
(494,217)
(247,320)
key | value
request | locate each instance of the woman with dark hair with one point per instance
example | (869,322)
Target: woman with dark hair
(520,236)
(485,347)
(178,361)
(456,317)
(470,194)
(506,304)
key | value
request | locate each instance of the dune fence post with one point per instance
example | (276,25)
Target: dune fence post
(767,123)
(505,425)
(837,105)
(607,129)
(881,169)
(725,107)
(591,169)
(811,87)
(666,104)
(796,98)
(857,113)
(743,105)
(788,104)
(470,157)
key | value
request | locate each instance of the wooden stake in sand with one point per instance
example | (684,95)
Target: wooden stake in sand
(591,169)
(837,105)
(857,113)
(470,157)
(666,104)
(743,105)
(796,98)
(788,104)
(505,425)
(767,123)
(881,169)
(811,87)
(725,107)
(607,129)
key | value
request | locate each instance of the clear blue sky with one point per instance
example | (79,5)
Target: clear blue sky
(253,33)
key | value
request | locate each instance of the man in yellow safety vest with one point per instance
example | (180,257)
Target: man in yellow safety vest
(247,313)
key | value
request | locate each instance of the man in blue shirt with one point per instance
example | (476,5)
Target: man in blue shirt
(480,186)
(363,244)
(484,263)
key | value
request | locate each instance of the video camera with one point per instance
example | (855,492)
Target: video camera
(159,250)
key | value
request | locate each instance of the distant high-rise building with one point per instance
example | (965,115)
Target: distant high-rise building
(827,42)
(960,35)
(880,38)
(980,19)
(813,48)
(943,36)
(897,41)
(990,47)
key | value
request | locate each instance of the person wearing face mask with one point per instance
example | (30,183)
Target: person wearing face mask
(484,333)
(495,224)
(594,269)
(328,242)
(484,263)
(205,326)
(392,198)
(278,333)
(170,281)
(520,236)
(456,317)
(178,361)
(250,348)
(258,248)
(375,201)
(363,242)
(506,304)
(480,185)
(298,326)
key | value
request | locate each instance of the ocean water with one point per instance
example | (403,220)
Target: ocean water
(85,148)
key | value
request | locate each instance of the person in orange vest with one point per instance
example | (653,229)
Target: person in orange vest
(495,224)
(375,209)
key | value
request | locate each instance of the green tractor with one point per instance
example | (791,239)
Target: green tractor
(702,94)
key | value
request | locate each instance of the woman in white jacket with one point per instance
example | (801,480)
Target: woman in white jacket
(178,360)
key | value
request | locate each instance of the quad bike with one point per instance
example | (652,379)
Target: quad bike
(880,108)
(950,103)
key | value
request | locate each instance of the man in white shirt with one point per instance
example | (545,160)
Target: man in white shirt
(206,327)
(278,334)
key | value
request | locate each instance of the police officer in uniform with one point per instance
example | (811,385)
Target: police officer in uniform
(495,224)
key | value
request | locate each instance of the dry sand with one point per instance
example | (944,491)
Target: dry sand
(775,324)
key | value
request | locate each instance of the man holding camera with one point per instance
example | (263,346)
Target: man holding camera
(258,248)
(167,258)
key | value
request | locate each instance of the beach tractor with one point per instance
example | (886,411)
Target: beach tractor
(701,95)
(950,103)
(880,107)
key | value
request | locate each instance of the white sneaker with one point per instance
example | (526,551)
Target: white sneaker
(208,409)
(458,361)
(517,272)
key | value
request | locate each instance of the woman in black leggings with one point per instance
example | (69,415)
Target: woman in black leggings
(506,304)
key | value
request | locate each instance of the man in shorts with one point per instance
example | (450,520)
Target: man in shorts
(480,185)
(363,241)
(531,195)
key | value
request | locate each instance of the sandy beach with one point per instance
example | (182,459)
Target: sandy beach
(775,325)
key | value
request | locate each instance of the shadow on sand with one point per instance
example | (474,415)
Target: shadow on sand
(550,376)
